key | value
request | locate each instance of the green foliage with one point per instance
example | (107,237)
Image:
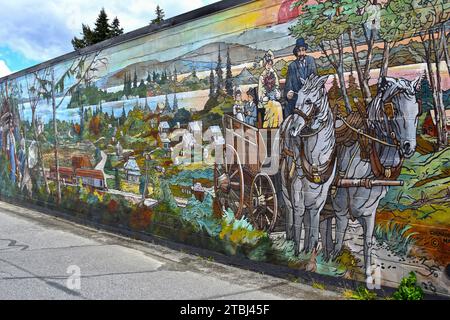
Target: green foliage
(408,289)
(159,15)
(200,216)
(117,180)
(102,31)
(397,237)
(362,293)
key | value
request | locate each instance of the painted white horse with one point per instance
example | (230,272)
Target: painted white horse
(308,166)
(397,129)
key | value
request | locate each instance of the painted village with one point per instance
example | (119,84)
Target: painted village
(135,145)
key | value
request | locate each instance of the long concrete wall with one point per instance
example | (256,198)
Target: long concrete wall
(208,130)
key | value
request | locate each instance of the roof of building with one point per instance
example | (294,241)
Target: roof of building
(195,126)
(87,173)
(164,125)
(215,129)
(131,165)
(81,162)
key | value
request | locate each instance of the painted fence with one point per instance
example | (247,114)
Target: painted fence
(309,134)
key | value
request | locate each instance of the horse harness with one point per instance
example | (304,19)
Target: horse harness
(368,139)
(318,174)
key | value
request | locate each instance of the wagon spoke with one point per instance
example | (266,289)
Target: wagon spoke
(233,174)
(234,193)
(267,219)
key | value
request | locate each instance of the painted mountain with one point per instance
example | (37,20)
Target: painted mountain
(202,59)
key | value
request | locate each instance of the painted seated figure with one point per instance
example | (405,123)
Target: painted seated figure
(251,107)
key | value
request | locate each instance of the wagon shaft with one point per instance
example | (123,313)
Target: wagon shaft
(368,183)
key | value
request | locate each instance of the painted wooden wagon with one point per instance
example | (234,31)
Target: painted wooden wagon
(239,183)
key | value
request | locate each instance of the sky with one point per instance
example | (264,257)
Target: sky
(34,31)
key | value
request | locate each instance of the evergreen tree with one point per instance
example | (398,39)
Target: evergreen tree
(117,179)
(149,77)
(81,122)
(108,164)
(229,76)
(142,89)
(116,30)
(211,83)
(123,117)
(167,104)
(86,40)
(426,94)
(194,73)
(135,80)
(175,103)
(333,93)
(159,15)
(125,84)
(102,29)
(219,73)
(175,76)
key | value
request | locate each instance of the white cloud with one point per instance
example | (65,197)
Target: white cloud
(4,70)
(41,30)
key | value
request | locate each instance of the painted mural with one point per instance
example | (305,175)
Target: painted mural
(311,134)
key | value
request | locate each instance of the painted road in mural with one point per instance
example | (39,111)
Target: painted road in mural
(312,136)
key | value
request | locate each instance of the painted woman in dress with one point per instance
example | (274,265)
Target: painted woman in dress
(238,107)
(269,93)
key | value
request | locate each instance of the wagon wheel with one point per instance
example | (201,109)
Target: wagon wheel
(263,204)
(229,181)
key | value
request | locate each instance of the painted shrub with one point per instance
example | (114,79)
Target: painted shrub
(214,133)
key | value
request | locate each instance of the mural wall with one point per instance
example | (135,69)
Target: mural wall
(311,134)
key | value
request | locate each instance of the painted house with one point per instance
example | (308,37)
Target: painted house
(81,162)
(132,170)
(92,178)
(66,174)
(195,127)
(164,127)
(214,133)
(429,125)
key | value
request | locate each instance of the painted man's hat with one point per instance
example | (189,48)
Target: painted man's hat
(301,43)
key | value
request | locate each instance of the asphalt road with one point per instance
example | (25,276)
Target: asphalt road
(40,257)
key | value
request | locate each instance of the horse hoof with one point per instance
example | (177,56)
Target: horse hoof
(369,282)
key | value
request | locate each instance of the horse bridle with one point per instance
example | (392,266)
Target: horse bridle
(308,119)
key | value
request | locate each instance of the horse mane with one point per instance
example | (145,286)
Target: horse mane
(311,84)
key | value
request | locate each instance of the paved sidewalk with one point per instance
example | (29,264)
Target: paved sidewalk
(37,251)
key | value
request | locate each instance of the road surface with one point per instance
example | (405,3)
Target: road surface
(37,251)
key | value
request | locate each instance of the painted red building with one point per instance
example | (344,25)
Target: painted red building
(429,125)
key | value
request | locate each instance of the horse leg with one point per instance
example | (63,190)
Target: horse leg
(313,227)
(368,223)
(307,238)
(326,236)
(287,203)
(341,209)
(299,212)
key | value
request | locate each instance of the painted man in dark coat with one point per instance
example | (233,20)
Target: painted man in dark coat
(301,68)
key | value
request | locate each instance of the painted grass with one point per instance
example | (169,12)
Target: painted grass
(398,237)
